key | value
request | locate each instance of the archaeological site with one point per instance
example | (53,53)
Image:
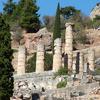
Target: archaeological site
(56,57)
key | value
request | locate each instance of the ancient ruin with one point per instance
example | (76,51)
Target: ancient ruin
(91,59)
(21,60)
(69,44)
(80,80)
(57,57)
(40,58)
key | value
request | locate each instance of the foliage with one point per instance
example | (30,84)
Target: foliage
(62,84)
(6,69)
(81,37)
(48,61)
(68,12)
(9,7)
(25,13)
(8,11)
(57,31)
(97,71)
(29,19)
(31,64)
(61,71)
(96,22)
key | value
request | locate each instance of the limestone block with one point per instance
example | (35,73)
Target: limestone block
(21,60)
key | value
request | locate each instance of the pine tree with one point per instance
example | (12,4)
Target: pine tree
(6,69)
(57,32)
(9,7)
(8,10)
(29,19)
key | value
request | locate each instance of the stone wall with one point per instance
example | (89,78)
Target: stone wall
(46,83)
(65,93)
(34,83)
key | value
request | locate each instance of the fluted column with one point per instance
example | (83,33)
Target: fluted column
(69,44)
(91,59)
(21,60)
(40,58)
(57,57)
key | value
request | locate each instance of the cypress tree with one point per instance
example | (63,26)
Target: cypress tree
(6,69)
(57,32)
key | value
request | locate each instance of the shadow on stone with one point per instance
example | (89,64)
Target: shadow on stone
(35,96)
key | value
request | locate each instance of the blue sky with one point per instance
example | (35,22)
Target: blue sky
(48,7)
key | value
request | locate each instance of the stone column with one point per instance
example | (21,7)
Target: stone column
(21,60)
(91,59)
(81,64)
(40,58)
(74,66)
(57,57)
(69,44)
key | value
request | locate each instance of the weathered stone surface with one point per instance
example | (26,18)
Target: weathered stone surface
(91,59)
(34,83)
(81,64)
(31,40)
(74,66)
(57,57)
(15,60)
(21,60)
(40,58)
(69,44)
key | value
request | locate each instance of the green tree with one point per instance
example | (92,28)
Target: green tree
(68,12)
(28,17)
(6,69)
(9,7)
(8,11)
(57,31)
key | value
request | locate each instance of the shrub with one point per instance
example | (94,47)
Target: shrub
(62,84)
(81,37)
(31,64)
(97,71)
(48,61)
(61,71)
